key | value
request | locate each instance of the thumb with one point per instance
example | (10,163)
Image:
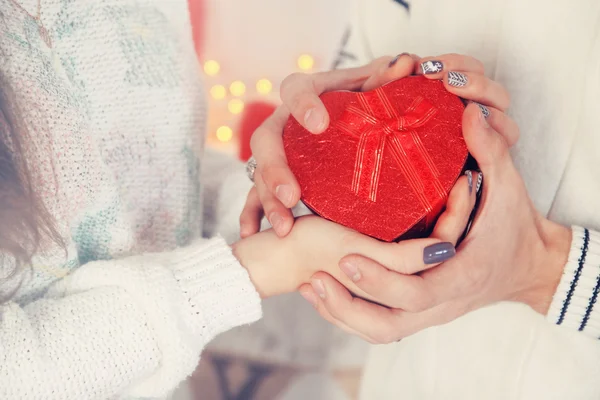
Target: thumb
(300,93)
(488,147)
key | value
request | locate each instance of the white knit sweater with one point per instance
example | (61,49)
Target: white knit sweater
(111,95)
(547,54)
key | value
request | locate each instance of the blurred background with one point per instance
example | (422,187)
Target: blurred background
(246,48)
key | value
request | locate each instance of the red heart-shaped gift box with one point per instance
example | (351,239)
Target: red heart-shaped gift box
(388,160)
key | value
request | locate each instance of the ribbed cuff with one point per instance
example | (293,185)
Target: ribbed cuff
(218,289)
(575,302)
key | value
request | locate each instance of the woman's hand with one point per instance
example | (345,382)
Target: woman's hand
(280,265)
(277,190)
(511,254)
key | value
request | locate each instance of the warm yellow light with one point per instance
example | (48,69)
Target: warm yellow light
(224,134)
(236,106)
(211,67)
(218,92)
(237,88)
(264,86)
(306,62)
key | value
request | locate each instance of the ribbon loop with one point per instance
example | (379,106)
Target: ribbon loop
(377,127)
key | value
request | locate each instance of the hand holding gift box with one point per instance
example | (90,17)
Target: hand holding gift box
(388,160)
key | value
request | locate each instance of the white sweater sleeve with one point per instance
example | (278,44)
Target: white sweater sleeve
(575,303)
(132,327)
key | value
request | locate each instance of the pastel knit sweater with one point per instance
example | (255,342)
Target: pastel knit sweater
(111,95)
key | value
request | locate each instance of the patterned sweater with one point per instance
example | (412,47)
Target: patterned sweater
(111,96)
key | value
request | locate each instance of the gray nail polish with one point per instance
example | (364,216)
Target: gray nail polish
(469,175)
(457,79)
(439,252)
(395,60)
(479,182)
(484,110)
(432,67)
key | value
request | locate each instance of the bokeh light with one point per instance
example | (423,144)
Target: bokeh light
(236,106)
(306,62)
(218,92)
(264,86)
(224,133)
(237,88)
(211,68)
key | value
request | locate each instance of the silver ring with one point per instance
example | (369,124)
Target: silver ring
(251,168)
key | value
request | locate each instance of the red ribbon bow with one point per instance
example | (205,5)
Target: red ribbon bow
(378,127)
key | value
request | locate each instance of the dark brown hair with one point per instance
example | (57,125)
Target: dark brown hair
(25,224)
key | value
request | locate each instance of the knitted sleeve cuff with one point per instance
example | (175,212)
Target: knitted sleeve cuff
(574,303)
(218,289)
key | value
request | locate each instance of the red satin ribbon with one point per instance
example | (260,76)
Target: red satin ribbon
(378,126)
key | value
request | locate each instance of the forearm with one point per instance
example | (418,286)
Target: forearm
(551,260)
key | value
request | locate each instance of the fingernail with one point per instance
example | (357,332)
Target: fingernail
(244,231)
(314,121)
(479,182)
(351,270)
(484,110)
(482,115)
(317,284)
(285,193)
(432,67)
(439,252)
(276,221)
(308,296)
(457,79)
(395,60)
(469,175)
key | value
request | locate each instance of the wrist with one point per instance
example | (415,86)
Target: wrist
(269,263)
(550,264)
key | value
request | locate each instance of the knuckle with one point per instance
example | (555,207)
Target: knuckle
(272,173)
(404,266)
(510,131)
(266,170)
(386,335)
(451,60)
(417,297)
(478,65)
(471,280)
(517,133)
(245,218)
(418,302)
(507,97)
(371,340)
(503,100)
(257,136)
(298,104)
(479,83)
(500,149)
(383,60)
(336,310)
(289,83)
